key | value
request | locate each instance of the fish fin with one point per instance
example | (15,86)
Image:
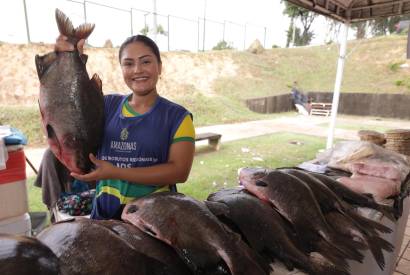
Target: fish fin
(349,247)
(387,211)
(333,255)
(376,244)
(65,27)
(366,224)
(97,83)
(43,62)
(217,208)
(343,245)
(41,111)
(84,58)
(319,265)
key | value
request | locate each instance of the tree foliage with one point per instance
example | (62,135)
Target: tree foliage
(360,28)
(222,45)
(384,26)
(305,17)
(301,38)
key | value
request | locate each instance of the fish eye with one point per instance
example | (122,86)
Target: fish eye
(132,209)
(261,183)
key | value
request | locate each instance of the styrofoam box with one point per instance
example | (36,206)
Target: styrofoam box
(13,190)
(20,225)
(13,199)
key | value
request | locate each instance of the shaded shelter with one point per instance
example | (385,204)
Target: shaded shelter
(348,11)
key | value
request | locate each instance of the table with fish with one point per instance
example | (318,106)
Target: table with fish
(280,221)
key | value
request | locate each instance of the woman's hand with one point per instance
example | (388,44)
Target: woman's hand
(62,45)
(103,170)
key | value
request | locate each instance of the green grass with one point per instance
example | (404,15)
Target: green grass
(34,197)
(26,119)
(213,170)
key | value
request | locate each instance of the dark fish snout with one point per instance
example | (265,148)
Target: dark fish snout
(132,209)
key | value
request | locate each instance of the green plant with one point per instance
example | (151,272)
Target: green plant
(161,30)
(394,67)
(144,30)
(399,83)
(222,45)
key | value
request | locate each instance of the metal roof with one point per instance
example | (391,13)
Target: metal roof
(355,10)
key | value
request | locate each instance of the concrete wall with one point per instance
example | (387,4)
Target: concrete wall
(382,105)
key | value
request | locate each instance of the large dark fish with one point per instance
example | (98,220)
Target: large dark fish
(330,201)
(354,225)
(294,200)
(354,198)
(87,248)
(195,233)
(71,104)
(264,230)
(147,245)
(26,256)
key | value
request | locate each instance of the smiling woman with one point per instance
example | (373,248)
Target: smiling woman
(148,141)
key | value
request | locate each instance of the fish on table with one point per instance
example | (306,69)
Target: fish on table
(345,220)
(195,233)
(24,255)
(295,201)
(265,230)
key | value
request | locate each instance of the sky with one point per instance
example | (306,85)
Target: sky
(238,22)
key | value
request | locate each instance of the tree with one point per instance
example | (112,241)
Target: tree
(222,45)
(306,18)
(360,28)
(300,39)
(160,30)
(384,26)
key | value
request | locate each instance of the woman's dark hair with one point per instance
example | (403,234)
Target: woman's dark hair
(143,39)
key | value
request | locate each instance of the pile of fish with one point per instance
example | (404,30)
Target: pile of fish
(304,220)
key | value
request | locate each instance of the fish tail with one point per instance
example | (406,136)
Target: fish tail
(366,224)
(65,27)
(348,247)
(319,265)
(375,245)
(387,211)
(344,246)
(333,254)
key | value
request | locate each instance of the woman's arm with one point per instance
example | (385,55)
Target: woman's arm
(176,170)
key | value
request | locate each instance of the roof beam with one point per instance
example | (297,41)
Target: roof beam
(392,3)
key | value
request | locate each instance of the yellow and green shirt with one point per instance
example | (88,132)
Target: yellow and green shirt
(136,140)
